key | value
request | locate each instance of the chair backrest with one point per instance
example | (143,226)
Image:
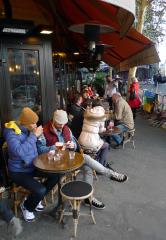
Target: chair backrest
(79,149)
(4,160)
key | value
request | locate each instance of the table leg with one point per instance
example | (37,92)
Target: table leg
(55,212)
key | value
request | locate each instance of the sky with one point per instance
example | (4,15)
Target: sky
(162,51)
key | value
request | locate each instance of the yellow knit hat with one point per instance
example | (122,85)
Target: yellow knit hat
(28,117)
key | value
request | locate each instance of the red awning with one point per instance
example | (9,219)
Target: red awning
(116,13)
(129,46)
(133,46)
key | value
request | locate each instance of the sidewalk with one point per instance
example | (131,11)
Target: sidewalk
(135,210)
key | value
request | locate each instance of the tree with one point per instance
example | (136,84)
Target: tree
(150,19)
(155,20)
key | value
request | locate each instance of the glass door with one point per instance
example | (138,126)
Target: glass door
(24,79)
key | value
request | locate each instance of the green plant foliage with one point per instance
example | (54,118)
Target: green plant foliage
(155,19)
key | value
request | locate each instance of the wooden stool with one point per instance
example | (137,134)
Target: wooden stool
(129,137)
(75,192)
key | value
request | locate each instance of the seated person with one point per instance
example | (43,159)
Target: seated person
(85,95)
(21,138)
(57,131)
(124,116)
(90,140)
(76,116)
(8,216)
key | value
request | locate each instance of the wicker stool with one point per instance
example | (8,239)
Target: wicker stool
(129,137)
(75,192)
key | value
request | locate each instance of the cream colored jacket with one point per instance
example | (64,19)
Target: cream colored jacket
(123,113)
(89,137)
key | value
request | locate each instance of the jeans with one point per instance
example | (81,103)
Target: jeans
(119,137)
(87,174)
(102,154)
(38,190)
(5,211)
(89,164)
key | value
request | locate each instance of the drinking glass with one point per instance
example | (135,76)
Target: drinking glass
(71,153)
(70,147)
(111,125)
(59,147)
(51,155)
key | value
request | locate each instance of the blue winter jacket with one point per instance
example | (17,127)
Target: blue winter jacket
(22,149)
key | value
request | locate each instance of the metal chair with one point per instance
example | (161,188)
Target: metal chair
(129,137)
(75,192)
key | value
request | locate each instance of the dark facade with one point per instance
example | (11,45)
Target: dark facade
(26,77)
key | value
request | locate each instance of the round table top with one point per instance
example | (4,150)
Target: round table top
(109,132)
(58,166)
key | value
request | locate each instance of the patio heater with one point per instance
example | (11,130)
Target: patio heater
(100,47)
(91,32)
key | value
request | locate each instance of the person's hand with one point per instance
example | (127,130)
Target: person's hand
(70,144)
(38,131)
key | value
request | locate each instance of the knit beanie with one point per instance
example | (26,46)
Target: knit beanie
(60,117)
(28,117)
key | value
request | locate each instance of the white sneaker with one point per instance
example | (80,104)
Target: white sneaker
(28,216)
(95,203)
(119,177)
(39,207)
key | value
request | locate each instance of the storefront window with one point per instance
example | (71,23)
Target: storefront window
(24,75)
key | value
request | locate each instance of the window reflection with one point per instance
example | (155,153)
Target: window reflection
(24,77)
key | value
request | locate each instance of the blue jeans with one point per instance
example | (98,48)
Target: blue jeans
(119,137)
(38,190)
(5,211)
(103,154)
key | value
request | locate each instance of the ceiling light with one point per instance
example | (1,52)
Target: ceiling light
(76,53)
(46,32)
(60,54)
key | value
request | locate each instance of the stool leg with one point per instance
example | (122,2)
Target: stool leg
(91,211)
(45,201)
(75,217)
(15,204)
(62,211)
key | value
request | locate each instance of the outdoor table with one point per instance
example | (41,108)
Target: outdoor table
(62,166)
(114,131)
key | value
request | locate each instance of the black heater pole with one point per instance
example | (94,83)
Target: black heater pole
(61,83)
